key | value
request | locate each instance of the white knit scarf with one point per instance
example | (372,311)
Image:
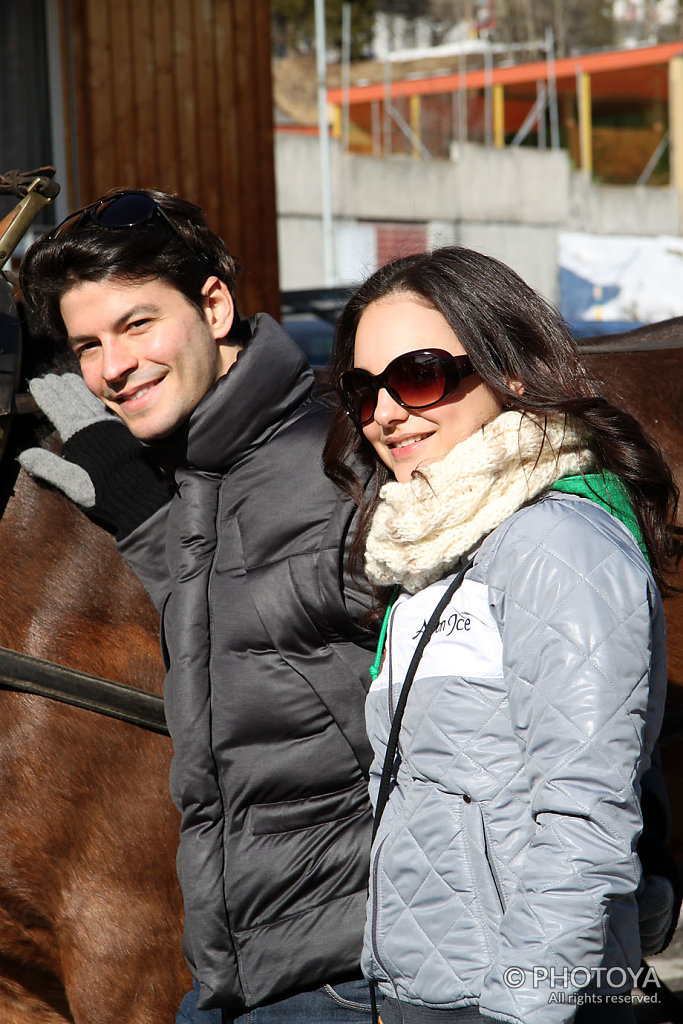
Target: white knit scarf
(421,528)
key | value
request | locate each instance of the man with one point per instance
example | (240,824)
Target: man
(266,660)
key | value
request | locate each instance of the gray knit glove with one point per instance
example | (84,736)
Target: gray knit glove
(103,468)
(70,407)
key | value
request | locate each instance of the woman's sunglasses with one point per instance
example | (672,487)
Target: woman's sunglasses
(416,380)
(126,209)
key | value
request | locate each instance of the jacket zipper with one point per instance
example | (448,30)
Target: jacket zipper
(375,904)
(375,863)
(388,654)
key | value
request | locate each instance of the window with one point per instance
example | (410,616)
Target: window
(25,129)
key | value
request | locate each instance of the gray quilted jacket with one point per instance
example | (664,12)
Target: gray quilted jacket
(504,871)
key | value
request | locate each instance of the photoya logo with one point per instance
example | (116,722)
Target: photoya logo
(578,978)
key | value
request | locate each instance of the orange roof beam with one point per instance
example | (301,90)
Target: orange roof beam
(518,74)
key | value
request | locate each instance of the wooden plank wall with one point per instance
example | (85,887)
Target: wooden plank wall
(176,95)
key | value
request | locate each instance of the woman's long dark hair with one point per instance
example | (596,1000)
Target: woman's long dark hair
(510,334)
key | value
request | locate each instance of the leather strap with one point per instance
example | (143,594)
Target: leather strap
(392,742)
(27,674)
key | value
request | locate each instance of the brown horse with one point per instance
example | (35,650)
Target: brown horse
(90,912)
(643,370)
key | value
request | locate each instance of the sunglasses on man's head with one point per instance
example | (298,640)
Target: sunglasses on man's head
(126,209)
(416,380)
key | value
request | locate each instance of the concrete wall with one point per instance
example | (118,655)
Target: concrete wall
(511,203)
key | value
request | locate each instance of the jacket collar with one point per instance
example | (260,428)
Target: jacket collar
(606,489)
(269,380)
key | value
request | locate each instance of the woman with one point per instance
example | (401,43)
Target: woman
(504,872)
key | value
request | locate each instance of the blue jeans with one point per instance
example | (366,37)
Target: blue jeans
(348,1003)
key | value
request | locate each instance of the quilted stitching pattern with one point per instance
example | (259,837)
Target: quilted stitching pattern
(508,839)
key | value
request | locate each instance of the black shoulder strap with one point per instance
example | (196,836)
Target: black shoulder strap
(392,742)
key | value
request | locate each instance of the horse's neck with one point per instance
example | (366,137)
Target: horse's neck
(66,594)
(648,385)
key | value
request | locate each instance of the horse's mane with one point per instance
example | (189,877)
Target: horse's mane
(648,337)
(38,356)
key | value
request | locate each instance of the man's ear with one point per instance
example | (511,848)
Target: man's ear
(219,308)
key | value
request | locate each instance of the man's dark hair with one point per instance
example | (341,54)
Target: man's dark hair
(175,246)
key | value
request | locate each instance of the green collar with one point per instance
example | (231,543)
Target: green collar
(375,667)
(604,489)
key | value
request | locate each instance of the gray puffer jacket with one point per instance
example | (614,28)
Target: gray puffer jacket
(504,871)
(266,685)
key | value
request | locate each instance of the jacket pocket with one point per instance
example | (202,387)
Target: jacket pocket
(491,863)
(491,896)
(308,812)
(297,855)
(165,653)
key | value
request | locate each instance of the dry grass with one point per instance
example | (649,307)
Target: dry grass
(295,80)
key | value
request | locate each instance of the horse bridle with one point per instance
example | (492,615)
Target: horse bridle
(28,674)
(35,190)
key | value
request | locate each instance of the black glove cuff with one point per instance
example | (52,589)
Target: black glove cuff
(129,488)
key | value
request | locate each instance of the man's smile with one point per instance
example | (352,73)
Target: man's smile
(133,393)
